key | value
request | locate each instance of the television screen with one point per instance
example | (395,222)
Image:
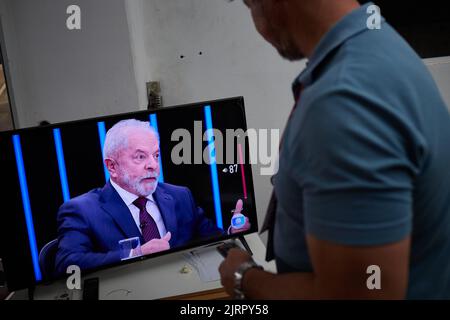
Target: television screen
(100,192)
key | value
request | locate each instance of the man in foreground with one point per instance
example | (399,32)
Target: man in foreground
(363,178)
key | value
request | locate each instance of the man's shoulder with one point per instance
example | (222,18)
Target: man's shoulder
(364,63)
(89,198)
(172,188)
(368,78)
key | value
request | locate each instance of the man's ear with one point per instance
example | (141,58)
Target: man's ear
(111,165)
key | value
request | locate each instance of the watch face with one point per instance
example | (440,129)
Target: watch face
(239,295)
(238,221)
(239,274)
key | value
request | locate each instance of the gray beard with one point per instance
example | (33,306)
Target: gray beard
(287,49)
(137,187)
(291,55)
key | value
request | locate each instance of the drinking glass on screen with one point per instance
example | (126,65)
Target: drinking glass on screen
(130,248)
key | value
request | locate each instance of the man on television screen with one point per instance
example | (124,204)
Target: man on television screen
(132,204)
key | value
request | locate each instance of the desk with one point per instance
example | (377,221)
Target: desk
(156,278)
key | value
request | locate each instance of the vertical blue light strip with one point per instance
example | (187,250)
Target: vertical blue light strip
(213,166)
(61,164)
(154,124)
(102,135)
(27,207)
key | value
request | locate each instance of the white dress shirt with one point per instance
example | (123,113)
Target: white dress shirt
(151,207)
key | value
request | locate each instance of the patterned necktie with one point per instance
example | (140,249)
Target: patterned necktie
(147,224)
(269,221)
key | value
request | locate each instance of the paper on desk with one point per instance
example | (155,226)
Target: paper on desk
(206,261)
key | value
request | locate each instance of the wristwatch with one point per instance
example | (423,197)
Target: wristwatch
(239,275)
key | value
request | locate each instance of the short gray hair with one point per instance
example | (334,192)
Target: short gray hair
(117,137)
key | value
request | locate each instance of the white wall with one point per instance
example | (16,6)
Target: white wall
(235,61)
(60,75)
(141,61)
(11,65)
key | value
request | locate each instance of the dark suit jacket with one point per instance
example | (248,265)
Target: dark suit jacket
(91,225)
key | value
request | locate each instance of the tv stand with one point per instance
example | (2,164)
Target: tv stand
(156,278)
(31,292)
(245,244)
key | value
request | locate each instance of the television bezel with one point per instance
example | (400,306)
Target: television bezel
(239,100)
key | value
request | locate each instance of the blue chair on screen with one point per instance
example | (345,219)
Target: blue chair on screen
(47,259)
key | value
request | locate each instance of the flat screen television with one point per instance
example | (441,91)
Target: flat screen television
(62,206)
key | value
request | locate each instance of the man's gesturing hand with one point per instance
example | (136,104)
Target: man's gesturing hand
(157,245)
(237,210)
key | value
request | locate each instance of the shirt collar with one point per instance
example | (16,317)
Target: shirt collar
(127,196)
(350,25)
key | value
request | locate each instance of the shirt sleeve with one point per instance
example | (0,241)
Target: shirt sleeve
(356,162)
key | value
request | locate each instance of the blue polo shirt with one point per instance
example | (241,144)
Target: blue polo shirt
(365,159)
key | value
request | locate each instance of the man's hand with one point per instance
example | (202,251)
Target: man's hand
(246,226)
(227,268)
(157,245)
(237,210)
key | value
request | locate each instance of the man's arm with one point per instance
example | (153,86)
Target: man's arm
(74,243)
(340,272)
(204,227)
(355,172)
